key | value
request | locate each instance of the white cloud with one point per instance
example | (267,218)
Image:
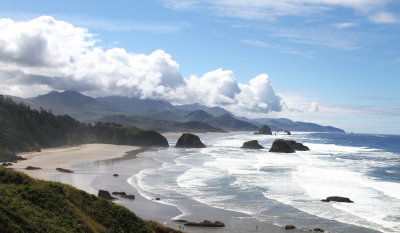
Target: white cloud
(44,54)
(272,9)
(384,17)
(344,25)
(313,107)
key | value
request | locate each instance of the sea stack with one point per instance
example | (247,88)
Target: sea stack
(188,140)
(280,145)
(253,144)
(265,130)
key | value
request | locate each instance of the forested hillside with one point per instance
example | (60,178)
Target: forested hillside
(25,129)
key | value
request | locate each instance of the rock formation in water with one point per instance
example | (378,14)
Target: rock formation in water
(205,223)
(253,144)
(265,130)
(188,140)
(337,199)
(280,145)
(287,146)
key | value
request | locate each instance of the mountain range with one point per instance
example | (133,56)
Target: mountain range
(159,114)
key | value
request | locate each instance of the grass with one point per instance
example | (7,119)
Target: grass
(30,205)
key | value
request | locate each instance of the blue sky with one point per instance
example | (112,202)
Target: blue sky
(340,56)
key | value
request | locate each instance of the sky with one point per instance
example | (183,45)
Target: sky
(332,62)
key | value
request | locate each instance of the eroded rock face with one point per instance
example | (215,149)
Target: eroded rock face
(188,140)
(287,146)
(265,130)
(205,223)
(338,199)
(253,144)
(281,146)
(289,227)
(105,194)
(297,146)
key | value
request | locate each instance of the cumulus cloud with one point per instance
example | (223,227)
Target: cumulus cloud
(313,107)
(384,17)
(43,54)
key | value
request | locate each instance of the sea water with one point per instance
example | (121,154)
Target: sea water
(278,188)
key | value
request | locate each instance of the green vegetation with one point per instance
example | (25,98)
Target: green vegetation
(25,129)
(29,205)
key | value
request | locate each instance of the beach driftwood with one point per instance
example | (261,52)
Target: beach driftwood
(205,223)
(338,199)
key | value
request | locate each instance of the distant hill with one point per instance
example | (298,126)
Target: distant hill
(281,124)
(31,205)
(73,103)
(198,115)
(86,108)
(160,125)
(26,129)
(215,111)
(229,123)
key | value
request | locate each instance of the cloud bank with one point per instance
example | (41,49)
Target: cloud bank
(43,54)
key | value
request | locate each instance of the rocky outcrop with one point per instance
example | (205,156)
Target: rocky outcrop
(150,138)
(287,146)
(253,144)
(115,175)
(297,146)
(119,193)
(188,140)
(289,227)
(205,223)
(32,168)
(287,132)
(319,229)
(6,164)
(129,196)
(280,145)
(338,199)
(64,170)
(105,194)
(265,130)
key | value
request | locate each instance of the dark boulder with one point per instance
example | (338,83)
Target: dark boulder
(115,175)
(287,132)
(150,138)
(181,220)
(338,199)
(205,223)
(297,146)
(265,130)
(319,229)
(280,145)
(119,193)
(289,227)
(253,144)
(157,199)
(32,168)
(6,164)
(128,196)
(64,170)
(188,140)
(105,194)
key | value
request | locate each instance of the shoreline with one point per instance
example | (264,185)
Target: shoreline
(94,166)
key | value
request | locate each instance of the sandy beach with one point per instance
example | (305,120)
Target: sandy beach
(94,166)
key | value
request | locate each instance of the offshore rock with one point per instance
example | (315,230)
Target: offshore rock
(281,146)
(188,140)
(338,199)
(253,144)
(105,194)
(205,223)
(265,130)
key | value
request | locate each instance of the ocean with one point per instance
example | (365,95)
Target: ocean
(281,189)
